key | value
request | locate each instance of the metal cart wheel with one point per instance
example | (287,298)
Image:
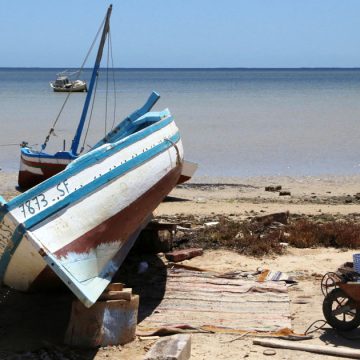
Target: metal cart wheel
(328,282)
(340,311)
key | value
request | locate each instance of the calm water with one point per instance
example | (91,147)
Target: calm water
(233,122)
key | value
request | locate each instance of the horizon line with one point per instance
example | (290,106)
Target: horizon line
(193,68)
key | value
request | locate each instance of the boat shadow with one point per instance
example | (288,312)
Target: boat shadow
(146,274)
(33,325)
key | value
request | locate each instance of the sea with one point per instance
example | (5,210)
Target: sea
(233,122)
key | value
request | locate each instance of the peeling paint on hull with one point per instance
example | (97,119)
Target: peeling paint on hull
(82,222)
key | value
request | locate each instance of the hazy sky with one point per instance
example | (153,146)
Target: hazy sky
(184,33)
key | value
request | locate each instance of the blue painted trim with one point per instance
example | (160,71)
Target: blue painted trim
(63,155)
(11,248)
(3,208)
(118,131)
(102,180)
(68,155)
(132,127)
(86,160)
(78,195)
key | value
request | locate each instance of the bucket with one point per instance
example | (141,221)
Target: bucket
(356,260)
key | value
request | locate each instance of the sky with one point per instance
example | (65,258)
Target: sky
(183,33)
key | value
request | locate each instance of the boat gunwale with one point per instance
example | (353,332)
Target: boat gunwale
(89,159)
(22,227)
(97,183)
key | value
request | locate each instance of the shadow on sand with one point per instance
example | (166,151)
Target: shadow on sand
(33,325)
(349,339)
(150,285)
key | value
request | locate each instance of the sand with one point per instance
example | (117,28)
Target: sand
(245,198)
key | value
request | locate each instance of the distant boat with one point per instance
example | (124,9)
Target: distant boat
(80,224)
(64,84)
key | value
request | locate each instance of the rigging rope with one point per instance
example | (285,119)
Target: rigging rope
(107,83)
(92,45)
(113,73)
(2,145)
(91,112)
(52,129)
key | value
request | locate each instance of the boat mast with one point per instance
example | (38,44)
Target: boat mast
(76,140)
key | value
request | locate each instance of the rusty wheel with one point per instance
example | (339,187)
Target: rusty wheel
(328,282)
(339,311)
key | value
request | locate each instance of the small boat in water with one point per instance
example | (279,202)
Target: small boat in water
(64,84)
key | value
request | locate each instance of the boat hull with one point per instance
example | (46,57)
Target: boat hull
(77,86)
(36,169)
(82,222)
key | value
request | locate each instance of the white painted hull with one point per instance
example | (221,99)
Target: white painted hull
(82,222)
(76,86)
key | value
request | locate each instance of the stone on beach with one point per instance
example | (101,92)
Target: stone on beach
(175,347)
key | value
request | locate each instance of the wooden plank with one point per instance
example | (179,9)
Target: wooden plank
(124,294)
(319,349)
(115,287)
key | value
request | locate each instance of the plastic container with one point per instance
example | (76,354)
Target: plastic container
(356,260)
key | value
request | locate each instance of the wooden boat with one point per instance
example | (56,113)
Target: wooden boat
(64,84)
(81,223)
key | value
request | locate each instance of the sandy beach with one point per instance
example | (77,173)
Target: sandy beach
(242,199)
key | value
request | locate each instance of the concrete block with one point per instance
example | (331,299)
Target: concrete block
(180,255)
(175,347)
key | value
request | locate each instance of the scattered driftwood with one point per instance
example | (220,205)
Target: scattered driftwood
(319,349)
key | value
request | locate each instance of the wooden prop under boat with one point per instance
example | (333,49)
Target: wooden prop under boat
(81,223)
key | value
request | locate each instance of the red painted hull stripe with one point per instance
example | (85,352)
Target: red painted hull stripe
(121,225)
